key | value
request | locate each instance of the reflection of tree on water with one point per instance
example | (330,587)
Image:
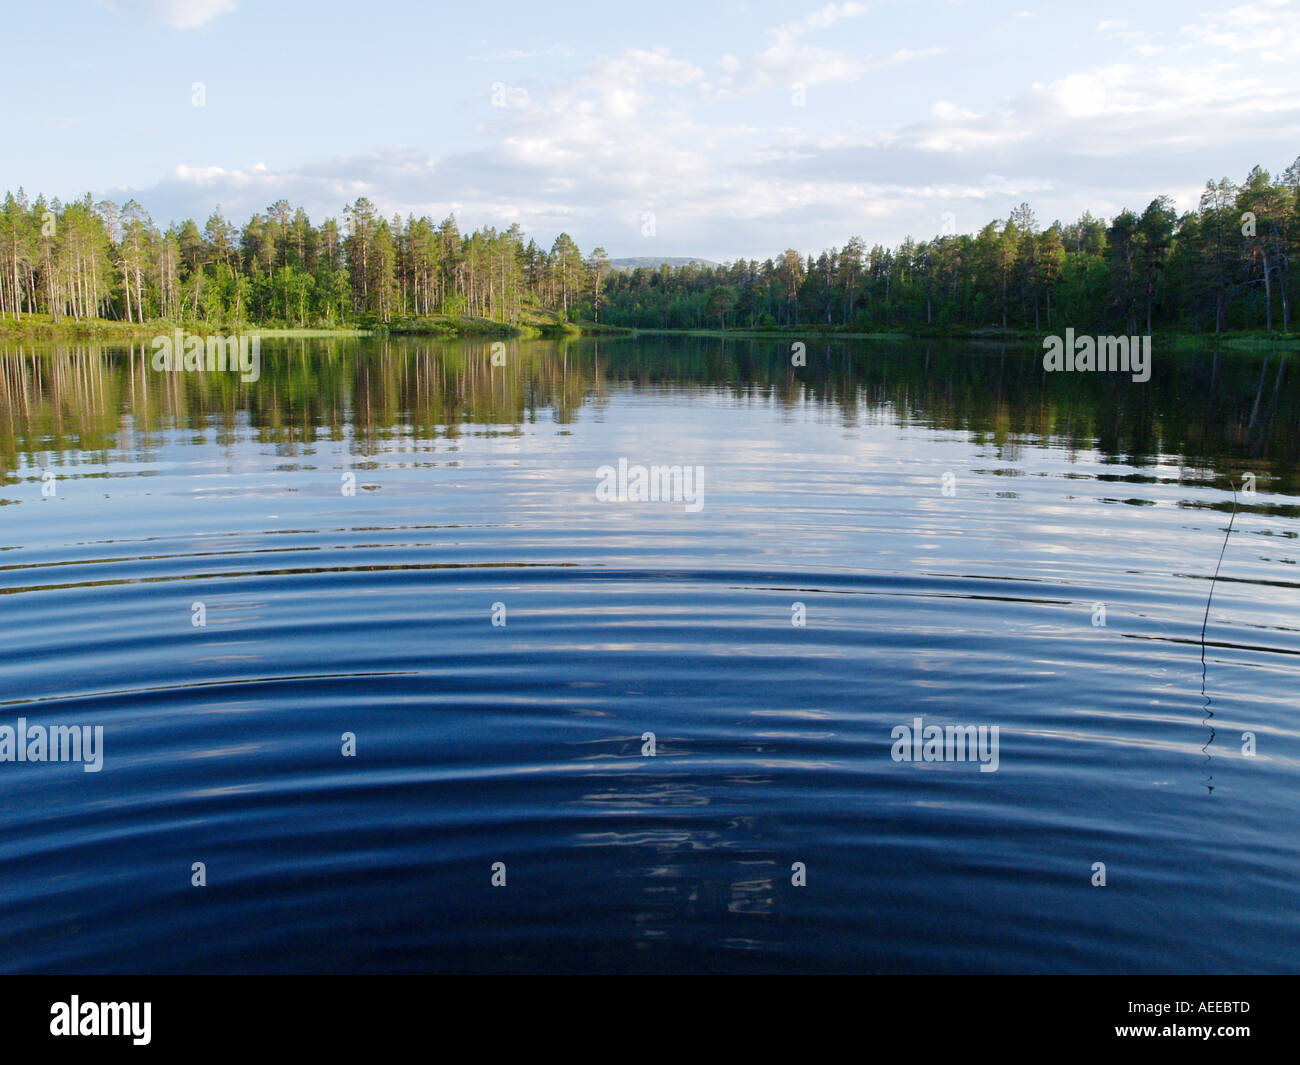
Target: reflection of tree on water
(1214,410)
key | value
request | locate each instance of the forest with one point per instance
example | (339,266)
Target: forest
(1223,266)
(85,260)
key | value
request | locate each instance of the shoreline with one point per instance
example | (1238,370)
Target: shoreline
(1244,340)
(41,328)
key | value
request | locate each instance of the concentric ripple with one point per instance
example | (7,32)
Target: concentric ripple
(371,613)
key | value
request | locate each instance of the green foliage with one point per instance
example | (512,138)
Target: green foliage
(85,262)
(1206,271)
(1199,272)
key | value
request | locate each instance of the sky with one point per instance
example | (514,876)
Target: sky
(722,130)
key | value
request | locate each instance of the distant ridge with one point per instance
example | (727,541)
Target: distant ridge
(654,263)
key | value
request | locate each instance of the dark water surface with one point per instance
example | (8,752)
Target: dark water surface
(521,743)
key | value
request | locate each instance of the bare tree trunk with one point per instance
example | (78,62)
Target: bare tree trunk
(1268,292)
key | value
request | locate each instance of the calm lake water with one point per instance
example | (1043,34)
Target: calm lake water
(953,521)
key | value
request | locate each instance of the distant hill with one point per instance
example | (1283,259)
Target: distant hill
(654,263)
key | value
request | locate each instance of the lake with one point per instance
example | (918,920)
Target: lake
(388,642)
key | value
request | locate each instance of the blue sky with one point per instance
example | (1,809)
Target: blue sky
(742,128)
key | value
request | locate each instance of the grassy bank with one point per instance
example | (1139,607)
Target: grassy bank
(438,325)
(529,325)
(43,327)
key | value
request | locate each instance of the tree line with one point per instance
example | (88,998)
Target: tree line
(1224,265)
(84,260)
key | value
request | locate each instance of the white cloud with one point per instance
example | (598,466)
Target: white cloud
(790,60)
(639,131)
(178,14)
(1269,29)
(822,19)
